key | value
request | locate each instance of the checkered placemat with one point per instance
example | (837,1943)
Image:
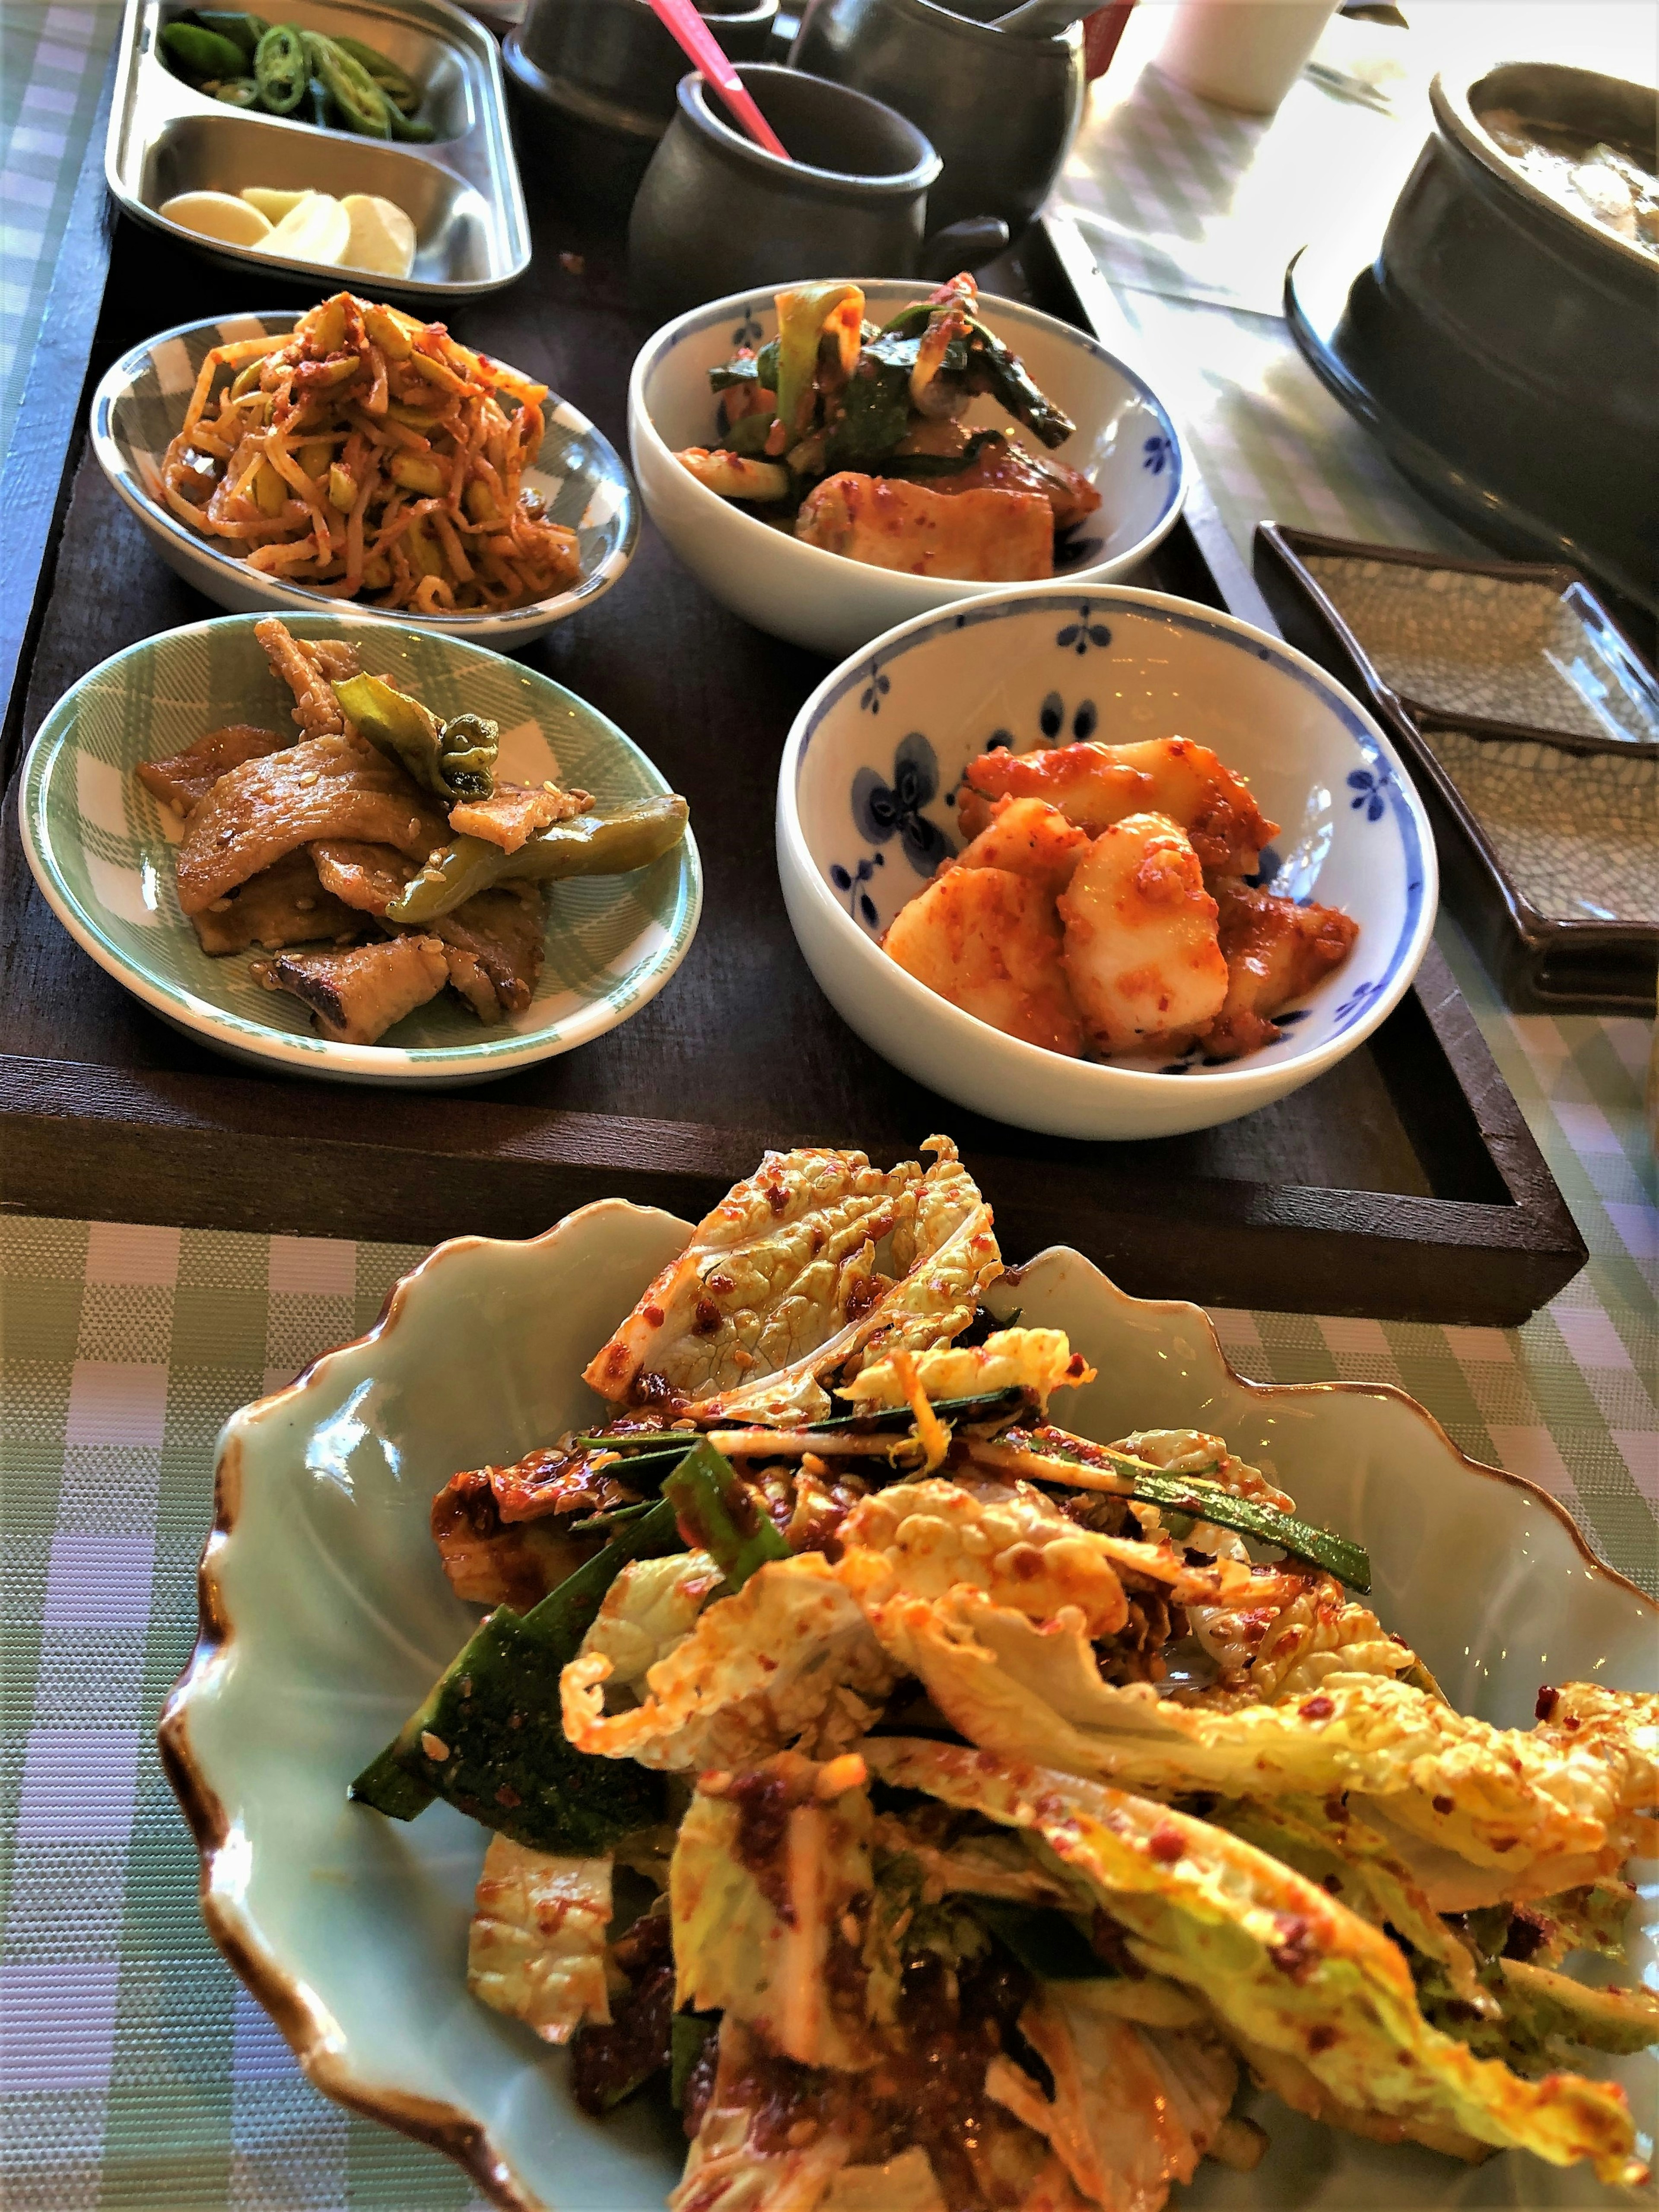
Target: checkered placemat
(51,67)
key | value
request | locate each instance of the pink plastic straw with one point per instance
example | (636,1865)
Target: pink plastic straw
(701,47)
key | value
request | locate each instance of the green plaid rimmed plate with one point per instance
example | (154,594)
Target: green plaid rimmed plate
(101,848)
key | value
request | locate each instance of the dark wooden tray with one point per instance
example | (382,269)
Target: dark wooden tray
(1403,1184)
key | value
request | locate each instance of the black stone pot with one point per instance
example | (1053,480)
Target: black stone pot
(717,213)
(1002,109)
(593,83)
(1520,340)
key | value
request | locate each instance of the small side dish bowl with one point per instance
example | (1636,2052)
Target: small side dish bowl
(139,406)
(865,811)
(325,1616)
(1125,443)
(101,848)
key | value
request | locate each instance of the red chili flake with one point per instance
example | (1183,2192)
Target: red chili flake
(1294,1954)
(1335,1809)
(776,1197)
(1074,1364)
(1320,2038)
(1334,1883)
(1547,1700)
(1317,1709)
(508,1795)
(654,1314)
(1571,1722)
(1166,1844)
(708,1319)
(1442,1805)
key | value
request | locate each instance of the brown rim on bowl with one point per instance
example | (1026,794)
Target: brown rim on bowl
(302,2020)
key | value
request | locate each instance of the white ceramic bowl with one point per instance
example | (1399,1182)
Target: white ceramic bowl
(865,813)
(325,1617)
(1125,443)
(139,406)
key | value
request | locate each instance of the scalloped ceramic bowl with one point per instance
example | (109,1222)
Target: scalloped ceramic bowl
(865,811)
(101,850)
(1125,443)
(140,403)
(325,1616)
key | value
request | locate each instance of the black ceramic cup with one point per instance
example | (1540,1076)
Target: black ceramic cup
(1001,109)
(717,213)
(594,81)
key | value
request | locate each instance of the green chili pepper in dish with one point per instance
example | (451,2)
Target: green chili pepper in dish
(405,126)
(490,1737)
(281,70)
(452,760)
(363,105)
(201,54)
(602,843)
(717,1515)
(244,31)
(1201,1500)
(400,89)
(992,367)
(319,108)
(237,92)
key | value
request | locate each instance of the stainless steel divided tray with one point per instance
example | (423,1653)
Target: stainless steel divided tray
(461,192)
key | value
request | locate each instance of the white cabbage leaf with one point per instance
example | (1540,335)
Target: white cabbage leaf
(1133,2109)
(1036,1359)
(1475,1811)
(753,1936)
(649,1611)
(789,1653)
(784,1281)
(536,1947)
(1286,1969)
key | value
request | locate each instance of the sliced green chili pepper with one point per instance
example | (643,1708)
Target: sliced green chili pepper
(201,54)
(1223,1508)
(717,1515)
(244,31)
(992,367)
(281,70)
(602,843)
(453,760)
(990,1405)
(490,1737)
(400,89)
(237,92)
(361,103)
(404,126)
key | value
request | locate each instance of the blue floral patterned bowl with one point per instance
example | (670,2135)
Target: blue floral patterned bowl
(865,813)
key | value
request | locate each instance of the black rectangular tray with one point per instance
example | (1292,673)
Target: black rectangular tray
(1403,1183)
